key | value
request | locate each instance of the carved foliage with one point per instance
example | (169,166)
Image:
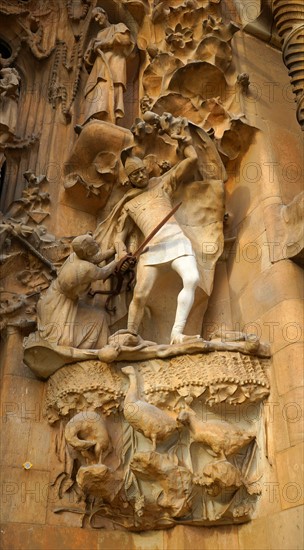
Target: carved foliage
(185,73)
(30,254)
(202,471)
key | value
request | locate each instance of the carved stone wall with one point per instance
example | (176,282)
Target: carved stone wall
(184,429)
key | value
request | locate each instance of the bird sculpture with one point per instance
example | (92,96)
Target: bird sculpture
(86,432)
(149,420)
(220,438)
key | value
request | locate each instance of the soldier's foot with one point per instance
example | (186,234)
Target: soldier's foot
(179,338)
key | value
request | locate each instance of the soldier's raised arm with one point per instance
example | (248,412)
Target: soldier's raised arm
(183,170)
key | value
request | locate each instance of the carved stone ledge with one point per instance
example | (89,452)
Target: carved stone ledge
(138,455)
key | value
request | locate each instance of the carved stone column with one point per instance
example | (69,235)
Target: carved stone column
(289,19)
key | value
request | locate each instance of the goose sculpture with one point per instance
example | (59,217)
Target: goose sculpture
(152,422)
(220,438)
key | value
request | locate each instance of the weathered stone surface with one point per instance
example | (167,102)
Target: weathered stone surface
(290,476)
(47,536)
(21,413)
(293,403)
(282,325)
(187,436)
(287,365)
(12,356)
(271,288)
(25,495)
(282,530)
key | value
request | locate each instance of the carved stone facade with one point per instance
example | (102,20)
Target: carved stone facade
(151,273)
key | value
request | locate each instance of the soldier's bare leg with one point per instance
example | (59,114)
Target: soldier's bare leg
(145,279)
(186,267)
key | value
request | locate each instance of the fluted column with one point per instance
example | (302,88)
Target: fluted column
(289,19)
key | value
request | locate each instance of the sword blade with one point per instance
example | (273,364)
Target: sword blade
(155,230)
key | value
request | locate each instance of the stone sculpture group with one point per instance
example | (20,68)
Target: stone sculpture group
(119,323)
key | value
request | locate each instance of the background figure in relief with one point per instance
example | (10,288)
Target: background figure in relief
(105,58)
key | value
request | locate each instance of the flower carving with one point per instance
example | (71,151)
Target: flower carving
(180,37)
